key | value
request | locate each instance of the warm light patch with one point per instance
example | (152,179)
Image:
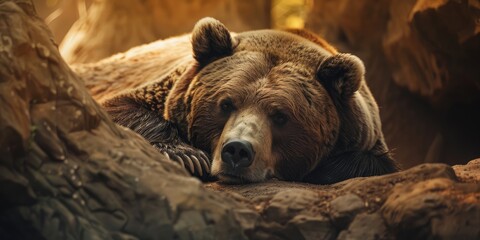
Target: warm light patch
(290,13)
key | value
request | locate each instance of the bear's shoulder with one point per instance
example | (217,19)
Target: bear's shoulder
(313,38)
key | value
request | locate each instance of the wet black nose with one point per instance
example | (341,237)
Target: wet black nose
(237,153)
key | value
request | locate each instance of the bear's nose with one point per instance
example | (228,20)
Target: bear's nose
(237,153)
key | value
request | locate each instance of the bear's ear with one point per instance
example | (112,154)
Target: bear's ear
(341,74)
(211,40)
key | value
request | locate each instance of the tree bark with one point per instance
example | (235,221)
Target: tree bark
(68,172)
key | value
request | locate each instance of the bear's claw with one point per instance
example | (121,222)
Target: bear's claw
(192,159)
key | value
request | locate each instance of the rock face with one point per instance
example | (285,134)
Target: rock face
(422,67)
(68,172)
(430,45)
(415,203)
(444,37)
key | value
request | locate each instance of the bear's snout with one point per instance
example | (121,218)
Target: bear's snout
(238,153)
(243,153)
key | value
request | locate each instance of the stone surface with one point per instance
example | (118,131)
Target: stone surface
(424,209)
(443,39)
(285,205)
(308,227)
(469,172)
(430,45)
(68,172)
(367,208)
(344,208)
(366,226)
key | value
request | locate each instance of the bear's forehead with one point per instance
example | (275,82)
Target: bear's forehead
(286,46)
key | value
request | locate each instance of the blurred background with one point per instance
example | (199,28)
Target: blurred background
(421,56)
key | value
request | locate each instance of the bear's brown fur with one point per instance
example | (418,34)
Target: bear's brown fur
(297,109)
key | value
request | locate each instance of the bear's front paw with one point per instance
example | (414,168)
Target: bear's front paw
(190,158)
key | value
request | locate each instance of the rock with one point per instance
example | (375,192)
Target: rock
(431,209)
(442,64)
(289,203)
(366,226)
(363,27)
(469,172)
(312,227)
(189,226)
(345,207)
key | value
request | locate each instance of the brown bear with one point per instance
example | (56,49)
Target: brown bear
(258,105)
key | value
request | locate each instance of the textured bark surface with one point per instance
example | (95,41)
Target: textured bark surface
(428,48)
(113,26)
(68,172)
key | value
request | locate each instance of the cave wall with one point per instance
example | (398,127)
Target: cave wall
(113,26)
(422,67)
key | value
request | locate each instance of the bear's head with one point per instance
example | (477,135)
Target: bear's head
(262,103)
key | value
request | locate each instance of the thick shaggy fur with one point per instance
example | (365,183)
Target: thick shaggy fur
(305,108)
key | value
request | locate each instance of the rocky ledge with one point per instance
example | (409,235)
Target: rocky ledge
(68,172)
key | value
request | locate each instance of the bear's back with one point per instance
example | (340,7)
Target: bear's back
(157,62)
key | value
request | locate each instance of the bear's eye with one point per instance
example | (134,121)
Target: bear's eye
(279,118)
(227,106)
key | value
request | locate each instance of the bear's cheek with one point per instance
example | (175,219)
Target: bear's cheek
(204,124)
(293,168)
(296,153)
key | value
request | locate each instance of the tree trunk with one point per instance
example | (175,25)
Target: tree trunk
(68,172)
(113,26)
